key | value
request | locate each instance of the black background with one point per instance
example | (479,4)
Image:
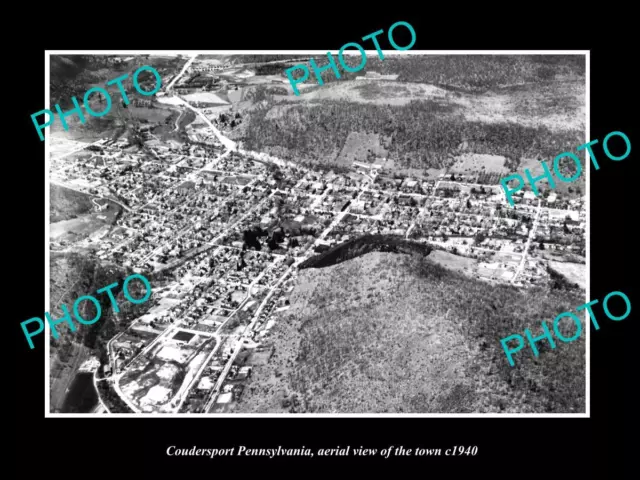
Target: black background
(514,448)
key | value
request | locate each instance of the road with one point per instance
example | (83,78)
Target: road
(532,233)
(95,385)
(178,120)
(184,69)
(227,142)
(422,210)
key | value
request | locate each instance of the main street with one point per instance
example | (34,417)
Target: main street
(532,233)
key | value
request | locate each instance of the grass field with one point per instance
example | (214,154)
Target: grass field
(453,262)
(205,97)
(474,162)
(574,272)
(67,204)
(359,147)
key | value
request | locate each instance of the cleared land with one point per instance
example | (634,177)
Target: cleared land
(470,162)
(361,147)
(574,272)
(66,203)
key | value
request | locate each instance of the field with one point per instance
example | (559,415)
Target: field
(73,215)
(469,162)
(205,97)
(574,272)
(559,106)
(361,147)
(396,333)
(454,262)
(369,91)
(66,203)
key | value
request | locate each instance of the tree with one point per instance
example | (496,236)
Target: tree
(479,238)
(468,203)
(541,246)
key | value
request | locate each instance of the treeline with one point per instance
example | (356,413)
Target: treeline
(420,136)
(111,399)
(271,69)
(468,73)
(362,245)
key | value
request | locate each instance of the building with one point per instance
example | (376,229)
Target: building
(187,187)
(143,102)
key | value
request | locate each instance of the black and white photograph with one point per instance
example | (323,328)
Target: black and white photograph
(336,247)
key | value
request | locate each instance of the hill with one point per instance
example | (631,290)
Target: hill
(397,333)
(72,276)
(515,106)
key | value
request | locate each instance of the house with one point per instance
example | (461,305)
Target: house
(187,187)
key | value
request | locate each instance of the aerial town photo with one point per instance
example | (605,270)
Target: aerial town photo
(347,250)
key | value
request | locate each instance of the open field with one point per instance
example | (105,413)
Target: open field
(67,204)
(470,162)
(205,97)
(370,91)
(454,262)
(574,272)
(361,147)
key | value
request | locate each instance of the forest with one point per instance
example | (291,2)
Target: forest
(89,276)
(362,245)
(400,334)
(467,73)
(420,135)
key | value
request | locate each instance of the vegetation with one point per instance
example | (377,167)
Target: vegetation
(67,204)
(111,399)
(74,275)
(394,333)
(468,73)
(362,245)
(416,134)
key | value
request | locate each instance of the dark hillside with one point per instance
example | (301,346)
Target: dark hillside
(362,245)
